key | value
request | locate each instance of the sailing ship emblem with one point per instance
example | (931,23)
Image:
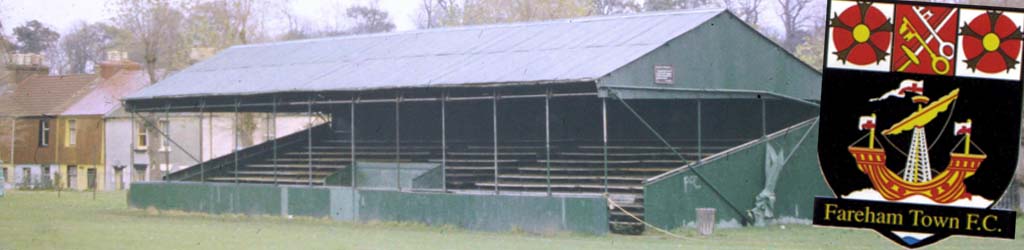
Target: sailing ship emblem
(917,176)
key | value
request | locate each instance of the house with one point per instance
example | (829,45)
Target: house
(162,143)
(30,106)
(73,127)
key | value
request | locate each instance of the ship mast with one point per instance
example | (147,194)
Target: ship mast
(918,167)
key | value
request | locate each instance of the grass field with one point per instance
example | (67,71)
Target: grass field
(41,220)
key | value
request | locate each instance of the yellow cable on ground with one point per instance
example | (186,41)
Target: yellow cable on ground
(610,201)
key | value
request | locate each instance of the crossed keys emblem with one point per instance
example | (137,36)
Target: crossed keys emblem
(940,58)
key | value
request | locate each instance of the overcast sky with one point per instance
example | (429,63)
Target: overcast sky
(62,14)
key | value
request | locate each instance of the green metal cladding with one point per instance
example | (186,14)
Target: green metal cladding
(739,175)
(476,212)
(721,54)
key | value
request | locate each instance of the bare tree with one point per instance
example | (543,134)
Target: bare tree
(222,23)
(154,28)
(616,7)
(439,13)
(748,10)
(85,46)
(658,5)
(793,16)
(504,11)
(369,19)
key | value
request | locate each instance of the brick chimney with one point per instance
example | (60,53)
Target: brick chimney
(116,61)
(22,66)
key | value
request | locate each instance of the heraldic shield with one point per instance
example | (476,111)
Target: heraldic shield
(920,118)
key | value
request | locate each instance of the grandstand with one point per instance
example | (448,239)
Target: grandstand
(584,107)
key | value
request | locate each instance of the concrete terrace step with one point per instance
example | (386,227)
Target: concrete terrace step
(491,154)
(296,166)
(585,169)
(266,180)
(571,177)
(320,174)
(345,153)
(601,162)
(561,186)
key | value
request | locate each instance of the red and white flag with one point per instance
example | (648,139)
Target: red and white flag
(866,122)
(962,128)
(907,86)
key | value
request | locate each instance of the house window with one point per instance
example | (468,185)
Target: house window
(165,143)
(142,137)
(44,133)
(72,131)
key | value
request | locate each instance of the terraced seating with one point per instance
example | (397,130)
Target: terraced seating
(521,167)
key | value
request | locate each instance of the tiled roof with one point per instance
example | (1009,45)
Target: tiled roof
(106,95)
(44,95)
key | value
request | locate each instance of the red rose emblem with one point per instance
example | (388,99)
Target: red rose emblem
(861,34)
(991,43)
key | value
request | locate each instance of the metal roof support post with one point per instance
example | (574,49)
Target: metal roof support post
(273,138)
(494,126)
(352,141)
(202,164)
(744,219)
(547,138)
(764,118)
(235,128)
(700,134)
(131,148)
(14,126)
(444,142)
(604,139)
(209,129)
(309,142)
(167,150)
(398,141)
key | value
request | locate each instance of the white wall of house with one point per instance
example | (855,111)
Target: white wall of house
(39,176)
(203,138)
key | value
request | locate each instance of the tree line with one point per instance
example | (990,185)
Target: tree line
(163,35)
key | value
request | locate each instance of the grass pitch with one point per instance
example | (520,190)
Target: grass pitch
(41,220)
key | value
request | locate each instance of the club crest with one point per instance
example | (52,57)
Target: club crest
(935,92)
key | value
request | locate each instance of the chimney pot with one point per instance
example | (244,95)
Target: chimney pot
(23,65)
